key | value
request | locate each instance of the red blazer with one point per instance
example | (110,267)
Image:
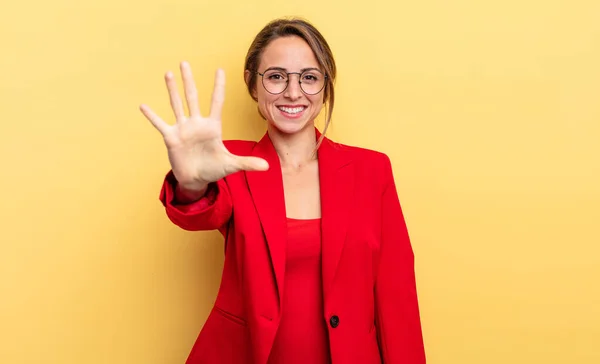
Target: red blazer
(370,298)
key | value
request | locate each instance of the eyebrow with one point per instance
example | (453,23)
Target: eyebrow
(285,69)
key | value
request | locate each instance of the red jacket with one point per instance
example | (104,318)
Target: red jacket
(370,298)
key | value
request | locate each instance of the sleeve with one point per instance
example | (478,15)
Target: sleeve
(397,311)
(211,212)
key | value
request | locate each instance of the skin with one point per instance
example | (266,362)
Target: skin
(195,146)
(293,138)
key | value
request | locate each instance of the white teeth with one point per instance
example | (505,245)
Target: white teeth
(291,110)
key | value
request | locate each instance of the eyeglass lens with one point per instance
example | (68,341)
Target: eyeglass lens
(276,81)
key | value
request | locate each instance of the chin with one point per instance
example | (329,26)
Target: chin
(289,126)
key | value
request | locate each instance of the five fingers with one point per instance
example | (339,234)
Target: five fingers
(191,95)
(218,98)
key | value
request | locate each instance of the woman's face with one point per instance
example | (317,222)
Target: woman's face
(291,110)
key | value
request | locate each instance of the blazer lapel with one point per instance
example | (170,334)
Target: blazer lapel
(337,188)
(336,175)
(266,189)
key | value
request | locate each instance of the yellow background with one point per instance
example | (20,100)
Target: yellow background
(490,111)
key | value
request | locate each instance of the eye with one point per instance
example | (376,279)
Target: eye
(276,76)
(310,78)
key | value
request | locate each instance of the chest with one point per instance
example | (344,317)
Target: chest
(302,192)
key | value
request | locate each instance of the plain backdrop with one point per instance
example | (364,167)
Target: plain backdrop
(489,110)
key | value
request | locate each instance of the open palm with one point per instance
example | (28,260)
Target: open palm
(194,143)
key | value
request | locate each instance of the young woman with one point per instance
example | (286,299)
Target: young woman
(318,263)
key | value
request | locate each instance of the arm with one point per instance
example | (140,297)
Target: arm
(197,152)
(396,305)
(210,211)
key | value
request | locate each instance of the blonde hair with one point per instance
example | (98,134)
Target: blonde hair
(289,27)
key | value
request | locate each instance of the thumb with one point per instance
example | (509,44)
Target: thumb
(251,163)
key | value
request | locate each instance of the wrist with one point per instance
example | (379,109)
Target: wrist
(190,192)
(192,187)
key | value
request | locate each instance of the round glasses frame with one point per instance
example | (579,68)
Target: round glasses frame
(287,83)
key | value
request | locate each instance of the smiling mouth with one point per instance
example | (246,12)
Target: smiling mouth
(292,110)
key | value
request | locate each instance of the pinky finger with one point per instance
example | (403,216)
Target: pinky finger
(158,123)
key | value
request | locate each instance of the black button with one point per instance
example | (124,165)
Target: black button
(334,321)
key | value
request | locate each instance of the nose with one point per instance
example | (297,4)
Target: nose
(293,90)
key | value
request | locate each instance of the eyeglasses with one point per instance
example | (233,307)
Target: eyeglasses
(276,80)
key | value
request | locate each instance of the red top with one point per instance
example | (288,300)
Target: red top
(302,334)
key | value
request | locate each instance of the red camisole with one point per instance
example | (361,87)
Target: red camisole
(302,335)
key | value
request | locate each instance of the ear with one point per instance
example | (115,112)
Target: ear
(247,76)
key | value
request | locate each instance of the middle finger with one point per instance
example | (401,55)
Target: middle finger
(189,86)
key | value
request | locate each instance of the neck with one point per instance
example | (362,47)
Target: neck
(294,150)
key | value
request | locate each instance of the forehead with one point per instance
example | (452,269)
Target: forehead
(291,53)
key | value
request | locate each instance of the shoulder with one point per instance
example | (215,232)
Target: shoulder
(364,158)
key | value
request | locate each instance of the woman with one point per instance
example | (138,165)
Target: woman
(318,263)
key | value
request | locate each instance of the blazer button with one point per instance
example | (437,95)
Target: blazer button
(334,321)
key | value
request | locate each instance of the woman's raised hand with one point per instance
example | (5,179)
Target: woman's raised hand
(194,143)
